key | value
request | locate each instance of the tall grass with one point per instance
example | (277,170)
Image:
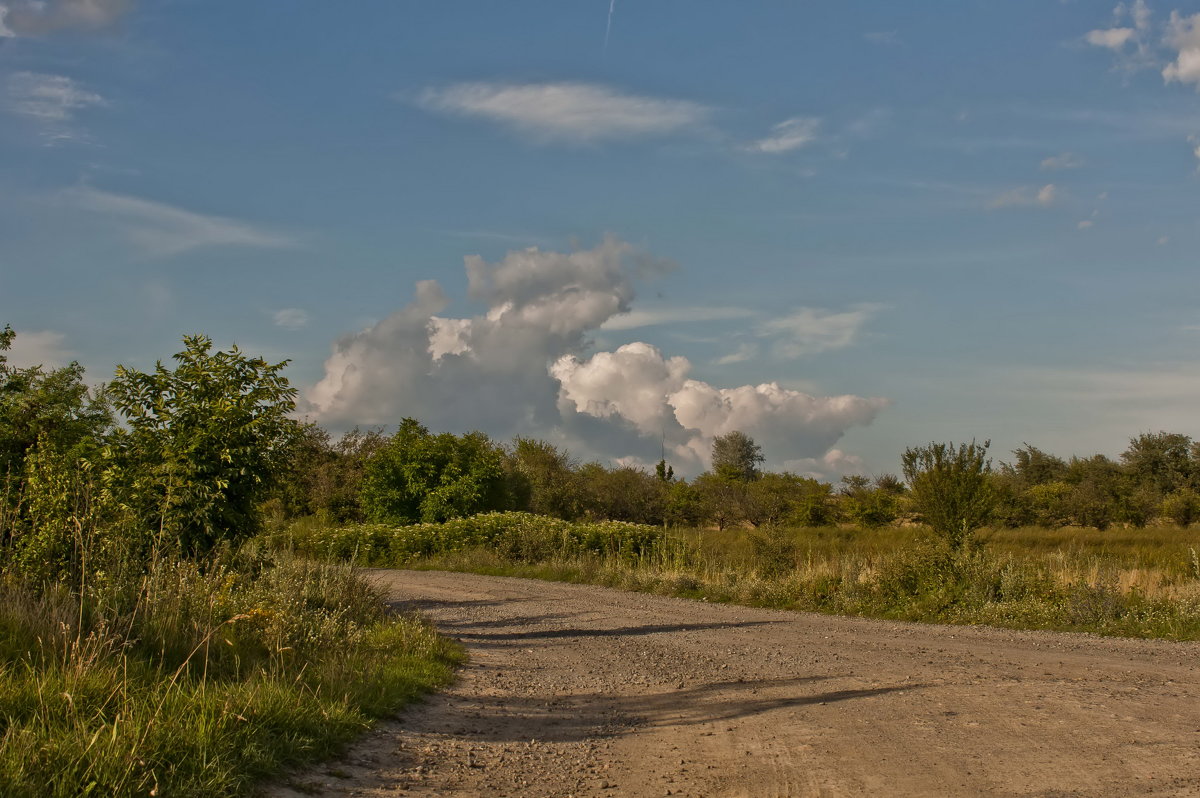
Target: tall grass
(188,678)
(1143,583)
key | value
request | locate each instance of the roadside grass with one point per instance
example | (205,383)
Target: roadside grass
(198,678)
(1135,583)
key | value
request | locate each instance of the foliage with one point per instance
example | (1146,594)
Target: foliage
(201,445)
(543,479)
(623,493)
(322,477)
(417,476)
(951,488)
(870,504)
(522,537)
(736,456)
(53,405)
(190,679)
(786,498)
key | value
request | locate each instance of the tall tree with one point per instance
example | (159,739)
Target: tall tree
(735,455)
(202,442)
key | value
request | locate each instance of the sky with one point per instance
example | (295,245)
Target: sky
(844,228)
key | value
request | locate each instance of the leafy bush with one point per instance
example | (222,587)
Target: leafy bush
(517,536)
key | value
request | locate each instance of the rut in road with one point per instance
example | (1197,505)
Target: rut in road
(575,690)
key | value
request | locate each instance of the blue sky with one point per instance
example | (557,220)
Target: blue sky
(844,228)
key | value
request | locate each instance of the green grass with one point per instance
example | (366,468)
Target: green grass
(198,679)
(1138,583)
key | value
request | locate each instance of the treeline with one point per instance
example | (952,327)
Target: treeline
(417,476)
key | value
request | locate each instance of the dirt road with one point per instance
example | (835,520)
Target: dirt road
(585,691)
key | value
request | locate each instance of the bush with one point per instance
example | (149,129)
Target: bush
(951,488)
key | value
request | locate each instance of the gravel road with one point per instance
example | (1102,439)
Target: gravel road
(585,691)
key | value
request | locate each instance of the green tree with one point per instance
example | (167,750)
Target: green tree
(786,498)
(417,476)
(623,493)
(736,456)
(543,479)
(202,442)
(950,488)
(52,405)
(1161,460)
(870,503)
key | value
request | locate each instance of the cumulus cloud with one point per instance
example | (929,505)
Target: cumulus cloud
(1026,196)
(1183,35)
(38,348)
(809,331)
(290,318)
(567,112)
(1066,160)
(790,134)
(162,230)
(832,466)
(522,366)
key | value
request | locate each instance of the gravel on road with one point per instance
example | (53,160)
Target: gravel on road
(576,690)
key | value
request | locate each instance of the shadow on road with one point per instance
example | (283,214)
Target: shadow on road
(581,716)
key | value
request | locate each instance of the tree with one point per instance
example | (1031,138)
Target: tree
(202,442)
(870,503)
(736,456)
(623,493)
(1161,460)
(418,476)
(543,479)
(54,406)
(951,488)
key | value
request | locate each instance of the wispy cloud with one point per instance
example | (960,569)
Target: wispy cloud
(810,331)
(1066,160)
(635,319)
(290,318)
(162,230)
(567,112)
(40,17)
(1026,196)
(53,98)
(790,134)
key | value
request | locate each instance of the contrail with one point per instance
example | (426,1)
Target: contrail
(608,29)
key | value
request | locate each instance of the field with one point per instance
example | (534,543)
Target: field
(1139,583)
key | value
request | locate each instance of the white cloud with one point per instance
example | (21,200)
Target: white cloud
(521,366)
(290,318)
(49,98)
(1112,38)
(1066,160)
(1085,224)
(1129,36)
(1026,196)
(809,331)
(162,230)
(572,112)
(638,384)
(38,17)
(1183,36)
(635,319)
(38,348)
(790,134)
